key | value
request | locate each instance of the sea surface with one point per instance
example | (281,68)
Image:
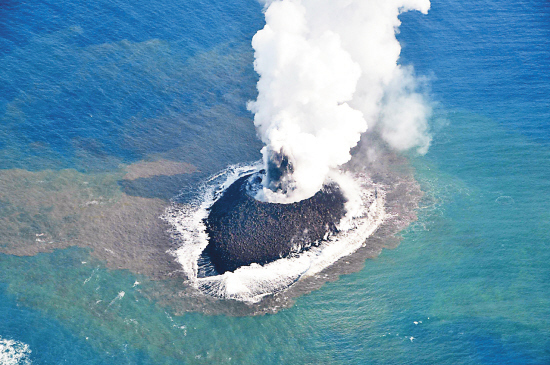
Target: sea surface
(110,109)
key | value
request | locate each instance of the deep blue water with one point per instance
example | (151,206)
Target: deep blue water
(93,86)
(93,79)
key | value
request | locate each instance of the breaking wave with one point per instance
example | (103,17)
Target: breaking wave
(14,352)
(365,213)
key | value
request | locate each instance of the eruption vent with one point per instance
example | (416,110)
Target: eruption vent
(328,70)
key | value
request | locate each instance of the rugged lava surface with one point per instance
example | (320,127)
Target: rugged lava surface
(243,230)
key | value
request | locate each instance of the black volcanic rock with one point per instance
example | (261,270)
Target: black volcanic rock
(243,230)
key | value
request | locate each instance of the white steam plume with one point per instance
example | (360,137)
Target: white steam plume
(328,70)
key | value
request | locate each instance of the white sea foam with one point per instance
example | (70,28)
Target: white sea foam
(14,352)
(119,296)
(365,213)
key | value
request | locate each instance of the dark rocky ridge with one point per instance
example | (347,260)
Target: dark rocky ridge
(243,230)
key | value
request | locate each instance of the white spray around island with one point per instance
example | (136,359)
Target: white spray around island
(328,71)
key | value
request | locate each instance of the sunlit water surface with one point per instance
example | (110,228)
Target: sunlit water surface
(109,109)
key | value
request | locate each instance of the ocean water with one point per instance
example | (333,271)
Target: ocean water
(108,110)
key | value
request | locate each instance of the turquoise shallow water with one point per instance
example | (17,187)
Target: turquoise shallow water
(90,90)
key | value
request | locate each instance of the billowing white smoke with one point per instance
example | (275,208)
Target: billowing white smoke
(328,69)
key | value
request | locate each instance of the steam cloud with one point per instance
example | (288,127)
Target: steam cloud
(328,70)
